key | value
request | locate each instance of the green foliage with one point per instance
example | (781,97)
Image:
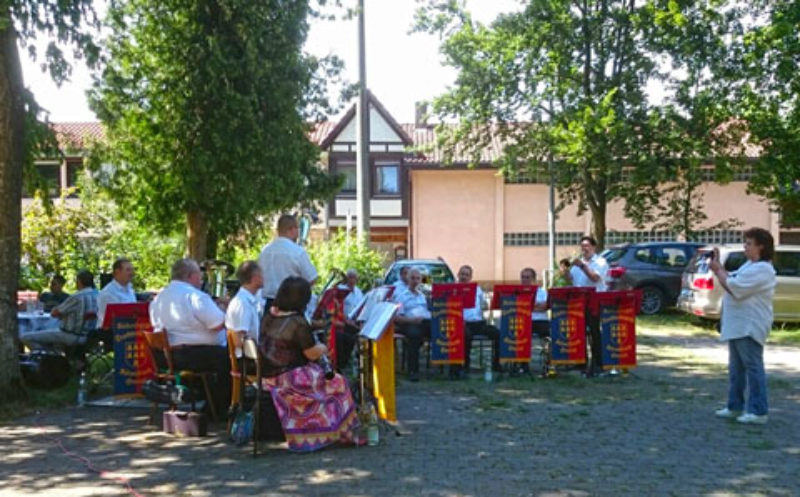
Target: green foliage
(342,252)
(206,105)
(568,80)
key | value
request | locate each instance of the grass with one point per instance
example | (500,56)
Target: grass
(39,400)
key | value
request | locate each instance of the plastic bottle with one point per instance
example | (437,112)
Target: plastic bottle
(487,371)
(373,431)
(82,389)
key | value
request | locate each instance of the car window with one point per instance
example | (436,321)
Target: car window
(672,257)
(787,263)
(699,262)
(613,254)
(644,255)
(439,274)
(735,261)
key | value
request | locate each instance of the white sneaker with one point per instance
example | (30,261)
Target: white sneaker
(752,419)
(727,413)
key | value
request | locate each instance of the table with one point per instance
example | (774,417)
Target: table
(30,322)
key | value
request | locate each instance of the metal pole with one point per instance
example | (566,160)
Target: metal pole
(551,210)
(362,131)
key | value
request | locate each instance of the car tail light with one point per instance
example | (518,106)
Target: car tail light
(704,283)
(617,272)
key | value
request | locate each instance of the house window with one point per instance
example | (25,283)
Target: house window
(348,170)
(51,176)
(74,170)
(387,180)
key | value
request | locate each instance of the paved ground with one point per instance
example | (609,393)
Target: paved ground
(651,433)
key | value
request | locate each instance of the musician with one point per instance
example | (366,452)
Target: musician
(288,349)
(283,257)
(475,324)
(413,320)
(347,331)
(401,284)
(540,320)
(590,270)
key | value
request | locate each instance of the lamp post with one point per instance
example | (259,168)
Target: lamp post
(362,138)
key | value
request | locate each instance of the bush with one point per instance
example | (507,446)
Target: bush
(342,252)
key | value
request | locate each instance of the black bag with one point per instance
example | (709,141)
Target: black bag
(269,426)
(167,393)
(45,368)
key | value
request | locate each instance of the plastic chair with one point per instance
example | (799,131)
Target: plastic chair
(160,342)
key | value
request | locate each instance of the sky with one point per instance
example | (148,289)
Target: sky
(402,68)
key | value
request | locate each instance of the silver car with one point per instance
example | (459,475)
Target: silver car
(701,293)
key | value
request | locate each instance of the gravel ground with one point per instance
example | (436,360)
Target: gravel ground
(649,433)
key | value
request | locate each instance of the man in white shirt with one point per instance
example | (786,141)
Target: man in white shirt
(475,324)
(590,269)
(401,285)
(192,322)
(413,320)
(119,290)
(539,318)
(347,332)
(283,257)
(243,315)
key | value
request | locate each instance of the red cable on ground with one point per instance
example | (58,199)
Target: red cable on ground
(86,462)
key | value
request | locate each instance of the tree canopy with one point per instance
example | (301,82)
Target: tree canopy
(206,106)
(569,78)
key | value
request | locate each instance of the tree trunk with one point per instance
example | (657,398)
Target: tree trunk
(598,225)
(211,244)
(197,235)
(12,128)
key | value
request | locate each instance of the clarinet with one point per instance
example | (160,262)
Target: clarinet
(323,361)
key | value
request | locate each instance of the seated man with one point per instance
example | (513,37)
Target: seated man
(56,295)
(243,314)
(347,332)
(118,291)
(475,324)
(413,320)
(540,320)
(192,322)
(401,285)
(77,316)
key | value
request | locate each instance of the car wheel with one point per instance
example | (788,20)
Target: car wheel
(652,300)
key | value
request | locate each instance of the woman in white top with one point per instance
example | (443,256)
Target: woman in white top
(746,321)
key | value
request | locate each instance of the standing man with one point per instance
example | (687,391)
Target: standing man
(243,314)
(475,324)
(591,270)
(119,290)
(192,322)
(283,257)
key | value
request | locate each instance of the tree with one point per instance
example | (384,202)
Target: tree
(764,84)
(20,21)
(206,104)
(568,78)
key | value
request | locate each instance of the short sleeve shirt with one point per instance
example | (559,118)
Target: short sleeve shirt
(75,308)
(412,304)
(113,293)
(597,264)
(352,300)
(475,314)
(280,259)
(188,315)
(282,340)
(541,298)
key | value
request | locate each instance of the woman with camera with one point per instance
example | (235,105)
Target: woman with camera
(746,321)
(314,405)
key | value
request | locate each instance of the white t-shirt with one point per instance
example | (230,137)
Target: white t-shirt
(280,259)
(188,315)
(541,299)
(474,314)
(113,293)
(243,313)
(598,265)
(748,311)
(412,304)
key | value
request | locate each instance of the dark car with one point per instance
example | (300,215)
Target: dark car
(654,267)
(433,271)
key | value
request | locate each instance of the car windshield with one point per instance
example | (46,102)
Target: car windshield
(431,273)
(613,254)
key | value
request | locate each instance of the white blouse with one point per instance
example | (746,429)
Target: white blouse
(747,309)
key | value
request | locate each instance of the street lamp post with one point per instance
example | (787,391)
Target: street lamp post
(362,138)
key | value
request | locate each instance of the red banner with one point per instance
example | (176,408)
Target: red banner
(447,330)
(132,366)
(568,324)
(617,313)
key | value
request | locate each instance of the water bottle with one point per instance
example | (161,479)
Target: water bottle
(373,431)
(487,371)
(82,389)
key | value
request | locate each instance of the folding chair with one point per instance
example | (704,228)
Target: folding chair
(160,342)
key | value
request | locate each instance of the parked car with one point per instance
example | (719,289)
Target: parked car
(433,271)
(653,267)
(701,293)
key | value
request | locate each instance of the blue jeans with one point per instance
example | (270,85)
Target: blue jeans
(746,368)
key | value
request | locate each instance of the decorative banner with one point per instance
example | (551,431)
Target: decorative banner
(568,324)
(332,305)
(447,321)
(132,366)
(515,327)
(617,311)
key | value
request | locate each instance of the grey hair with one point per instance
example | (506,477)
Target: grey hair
(351,272)
(182,269)
(414,269)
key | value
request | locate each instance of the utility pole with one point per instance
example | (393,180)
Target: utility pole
(551,210)
(362,138)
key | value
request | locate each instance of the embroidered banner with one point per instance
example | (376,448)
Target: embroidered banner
(568,307)
(132,366)
(447,330)
(515,327)
(617,311)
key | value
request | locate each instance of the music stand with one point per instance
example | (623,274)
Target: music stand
(464,291)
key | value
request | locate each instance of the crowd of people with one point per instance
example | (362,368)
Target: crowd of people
(270,307)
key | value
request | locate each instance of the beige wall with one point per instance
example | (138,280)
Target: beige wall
(462,216)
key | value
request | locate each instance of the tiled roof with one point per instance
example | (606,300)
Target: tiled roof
(78,135)
(428,153)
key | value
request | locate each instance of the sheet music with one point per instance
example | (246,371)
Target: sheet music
(373,297)
(380,316)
